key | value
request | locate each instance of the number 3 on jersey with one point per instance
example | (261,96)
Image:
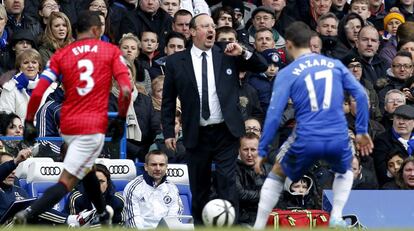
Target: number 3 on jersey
(327,75)
(86,75)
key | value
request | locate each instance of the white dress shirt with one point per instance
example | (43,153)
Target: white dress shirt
(216,115)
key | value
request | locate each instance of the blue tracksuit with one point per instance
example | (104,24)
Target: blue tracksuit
(316,85)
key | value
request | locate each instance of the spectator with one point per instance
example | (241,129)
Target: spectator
(99,5)
(392,21)
(340,8)
(264,18)
(10,193)
(147,55)
(179,154)
(393,99)
(299,195)
(253,125)
(316,44)
(378,12)
(282,16)
(226,34)
(48,124)
(181,23)
(327,28)
(11,125)
(263,82)
(348,29)
(170,6)
(118,10)
(317,9)
(405,176)
(21,40)
(147,17)
(406,45)
(248,182)
(363,178)
(394,162)
(18,21)
(79,201)
(141,122)
(401,69)
(5,36)
(398,138)
(224,16)
(406,8)
(151,197)
(156,96)
(248,99)
(264,40)
(195,6)
(408,90)
(354,65)
(16,92)
(361,7)
(175,42)
(58,34)
(68,7)
(46,7)
(373,68)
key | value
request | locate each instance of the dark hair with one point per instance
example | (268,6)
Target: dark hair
(215,15)
(403,42)
(405,31)
(87,19)
(173,34)
(342,24)
(408,82)
(299,40)
(399,178)
(181,12)
(155,152)
(225,29)
(5,120)
(393,153)
(193,20)
(102,168)
(404,54)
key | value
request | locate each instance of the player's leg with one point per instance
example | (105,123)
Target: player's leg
(269,195)
(340,159)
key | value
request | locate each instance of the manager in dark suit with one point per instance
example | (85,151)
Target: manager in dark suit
(205,78)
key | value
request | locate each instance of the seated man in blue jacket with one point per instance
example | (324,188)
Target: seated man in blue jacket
(9,192)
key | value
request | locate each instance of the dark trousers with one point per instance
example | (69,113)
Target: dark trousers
(215,145)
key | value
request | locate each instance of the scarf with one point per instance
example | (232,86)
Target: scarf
(156,103)
(22,82)
(408,144)
(3,40)
(133,131)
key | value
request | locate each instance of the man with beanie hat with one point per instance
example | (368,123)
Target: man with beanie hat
(263,82)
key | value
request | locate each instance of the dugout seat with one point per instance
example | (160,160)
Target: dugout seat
(122,171)
(185,195)
(23,168)
(178,174)
(42,176)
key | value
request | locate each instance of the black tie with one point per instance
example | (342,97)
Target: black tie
(205,109)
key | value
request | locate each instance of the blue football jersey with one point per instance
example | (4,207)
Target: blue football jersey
(316,85)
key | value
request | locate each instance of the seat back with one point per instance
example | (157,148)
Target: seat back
(178,174)
(186,197)
(23,168)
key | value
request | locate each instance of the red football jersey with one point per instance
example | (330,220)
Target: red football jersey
(86,68)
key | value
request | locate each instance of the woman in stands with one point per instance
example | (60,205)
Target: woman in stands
(405,176)
(80,202)
(16,92)
(58,33)
(11,125)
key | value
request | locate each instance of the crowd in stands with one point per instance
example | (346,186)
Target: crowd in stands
(374,39)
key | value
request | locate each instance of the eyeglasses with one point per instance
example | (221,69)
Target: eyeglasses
(406,66)
(253,129)
(399,101)
(51,6)
(98,7)
(352,66)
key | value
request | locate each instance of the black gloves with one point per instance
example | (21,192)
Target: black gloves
(116,129)
(30,133)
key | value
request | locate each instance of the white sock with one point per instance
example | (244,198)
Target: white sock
(269,195)
(341,188)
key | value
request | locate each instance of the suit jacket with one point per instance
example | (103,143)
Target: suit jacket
(180,81)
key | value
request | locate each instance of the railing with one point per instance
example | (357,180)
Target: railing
(122,148)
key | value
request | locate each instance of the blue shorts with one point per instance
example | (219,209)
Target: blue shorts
(303,153)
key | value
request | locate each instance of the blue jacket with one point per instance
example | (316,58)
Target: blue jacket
(264,87)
